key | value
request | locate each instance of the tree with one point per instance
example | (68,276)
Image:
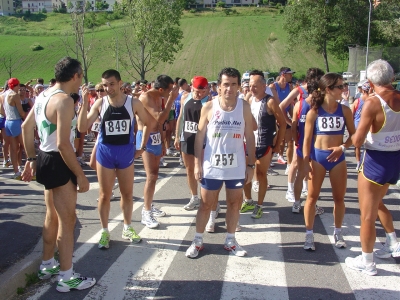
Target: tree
(70,6)
(152,36)
(80,46)
(100,5)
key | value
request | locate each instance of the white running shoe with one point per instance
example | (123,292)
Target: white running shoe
(339,240)
(319,210)
(77,282)
(149,220)
(195,248)
(181,161)
(356,263)
(309,243)
(157,212)
(210,227)
(232,245)
(194,203)
(255,186)
(296,208)
(304,193)
(287,170)
(116,185)
(387,251)
(289,196)
(271,172)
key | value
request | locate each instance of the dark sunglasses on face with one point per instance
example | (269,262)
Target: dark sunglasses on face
(100,90)
(340,87)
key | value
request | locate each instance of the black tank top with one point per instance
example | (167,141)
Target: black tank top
(191,113)
(266,128)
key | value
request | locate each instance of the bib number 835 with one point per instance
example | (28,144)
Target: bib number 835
(227,160)
(330,123)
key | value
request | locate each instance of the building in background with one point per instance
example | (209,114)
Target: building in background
(7,7)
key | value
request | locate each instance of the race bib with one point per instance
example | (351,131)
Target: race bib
(96,126)
(329,124)
(117,127)
(191,127)
(222,161)
(155,138)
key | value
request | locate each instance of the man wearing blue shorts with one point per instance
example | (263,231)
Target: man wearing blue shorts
(224,123)
(379,127)
(115,148)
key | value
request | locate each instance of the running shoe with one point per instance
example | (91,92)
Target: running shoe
(356,263)
(271,172)
(319,210)
(232,245)
(77,282)
(387,251)
(104,242)
(296,208)
(309,243)
(398,183)
(46,273)
(304,193)
(116,185)
(272,164)
(339,240)
(238,228)
(257,212)
(247,206)
(210,227)
(195,248)
(287,170)
(149,220)
(289,196)
(181,161)
(81,162)
(7,163)
(130,234)
(17,176)
(194,203)
(163,163)
(20,169)
(281,160)
(157,212)
(255,186)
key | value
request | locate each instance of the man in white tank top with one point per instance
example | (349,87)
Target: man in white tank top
(224,122)
(379,127)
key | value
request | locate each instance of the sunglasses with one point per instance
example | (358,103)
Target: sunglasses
(100,91)
(340,87)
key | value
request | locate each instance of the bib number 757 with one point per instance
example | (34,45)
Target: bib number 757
(226,160)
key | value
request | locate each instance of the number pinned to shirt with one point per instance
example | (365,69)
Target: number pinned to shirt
(96,126)
(328,124)
(191,127)
(155,138)
(226,160)
(117,127)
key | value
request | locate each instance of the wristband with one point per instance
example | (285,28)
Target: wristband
(31,159)
(343,148)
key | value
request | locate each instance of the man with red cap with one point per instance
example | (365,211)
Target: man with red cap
(14,115)
(186,129)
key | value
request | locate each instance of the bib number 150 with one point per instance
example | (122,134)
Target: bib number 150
(228,160)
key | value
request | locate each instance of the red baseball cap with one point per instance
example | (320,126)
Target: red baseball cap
(200,82)
(12,83)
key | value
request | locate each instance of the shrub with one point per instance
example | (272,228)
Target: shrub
(36,47)
(221,4)
(272,37)
(193,11)
(44,10)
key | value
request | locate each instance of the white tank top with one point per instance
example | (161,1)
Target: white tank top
(388,138)
(224,157)
(12,112)
(48,131)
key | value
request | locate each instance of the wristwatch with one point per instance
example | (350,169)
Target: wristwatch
(252,166)
(31,159)
(143,148)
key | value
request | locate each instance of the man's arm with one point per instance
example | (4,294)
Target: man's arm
(144,117)
(179,122)
(280,118)
(287,102)
(28,136)
(294,122)
(17,102)
(353,107)
(65,113)
(369,112)
(308,134)
(199,141)
(250,141)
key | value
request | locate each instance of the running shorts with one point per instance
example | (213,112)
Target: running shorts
(13,127)
(115,156)
(381,167)
(321,155)
(153,145)
(216,184)
(2,122)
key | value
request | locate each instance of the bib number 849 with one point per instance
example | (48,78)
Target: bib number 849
(228,160)
(117,127)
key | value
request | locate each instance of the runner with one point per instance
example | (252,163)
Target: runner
(326,122)
(154,147)
(224,122)
(379,127)
(59,172)
(6,139)
(265,110)
(115,149)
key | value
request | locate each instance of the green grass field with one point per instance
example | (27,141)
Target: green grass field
(211,42)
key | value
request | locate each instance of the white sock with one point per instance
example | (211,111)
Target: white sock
(213,214)
(248,200)
(195,196)
(337,230)
(230,236)
(368,258)
(126,226)
(198,235)
(105,229)
(290,186)
(391,238)
(309,231)
(65,275)
(146,211)
(297,202)
(287,166)
(305,185)
(49,263)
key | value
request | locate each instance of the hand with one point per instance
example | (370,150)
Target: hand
(85,93)
(29,171)
(138,153)
(174,92)
(177,143)
(249,175)
(308,171)
(83,184)
(335,155)
(198,173)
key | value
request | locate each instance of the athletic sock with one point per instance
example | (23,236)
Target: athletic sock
(368,258)
(309,231)
(198,235)
(213,214)
(105,229)
(305,185)
(49,263)
(65,275)
(290,186)
(297,202)
(195,196)
(126,226)
(230,236)
(249,201)
(391,238)
(337,231)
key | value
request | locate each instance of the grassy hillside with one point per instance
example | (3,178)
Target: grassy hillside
(211,42)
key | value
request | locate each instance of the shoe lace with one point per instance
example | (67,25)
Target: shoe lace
(103,238)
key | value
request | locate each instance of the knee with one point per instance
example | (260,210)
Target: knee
(152,177)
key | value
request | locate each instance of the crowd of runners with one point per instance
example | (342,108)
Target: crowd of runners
(227,131)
